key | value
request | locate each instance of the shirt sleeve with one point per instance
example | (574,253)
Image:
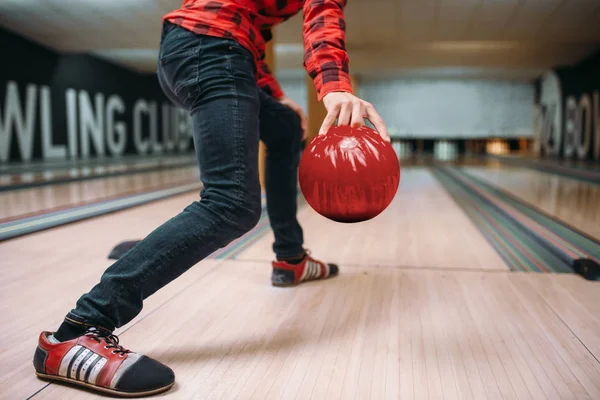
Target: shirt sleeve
(325,56)
(267,82)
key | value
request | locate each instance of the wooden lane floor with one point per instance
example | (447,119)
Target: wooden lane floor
(43,274)
(405,331)
(372,333)
(382,333)
(26,202)
(574,202)
(61,171)
(422,228)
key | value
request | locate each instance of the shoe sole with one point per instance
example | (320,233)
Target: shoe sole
(288,285)
(102,389)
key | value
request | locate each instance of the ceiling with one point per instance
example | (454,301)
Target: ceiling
(513,39)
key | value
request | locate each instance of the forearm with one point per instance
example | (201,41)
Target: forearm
(325,58)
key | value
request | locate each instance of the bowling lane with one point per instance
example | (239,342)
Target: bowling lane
(422,228)
(574,202)
(372,333)
(59,264)
(240,335)
(26,202)
(13,176)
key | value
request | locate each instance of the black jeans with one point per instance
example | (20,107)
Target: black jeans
(214,79)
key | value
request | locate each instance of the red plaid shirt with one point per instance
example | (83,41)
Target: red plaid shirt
(250,23)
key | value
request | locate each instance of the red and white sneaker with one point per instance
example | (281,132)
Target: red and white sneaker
(97,361)
(309,269)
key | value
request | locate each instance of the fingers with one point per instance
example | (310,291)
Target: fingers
(345,113)
(377,121)
(358,111)
(330,119)
(350,110)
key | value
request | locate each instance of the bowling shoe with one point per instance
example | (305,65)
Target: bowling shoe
(97,361)
(309,269)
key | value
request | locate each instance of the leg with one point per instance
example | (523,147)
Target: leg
(281,132)
(214,79)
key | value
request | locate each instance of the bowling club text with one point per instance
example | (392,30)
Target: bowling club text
(573,132)
(94,125)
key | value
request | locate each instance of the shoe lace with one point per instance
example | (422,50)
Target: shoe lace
(112,341)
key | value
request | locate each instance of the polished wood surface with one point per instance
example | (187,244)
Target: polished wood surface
(422,309)
(575,202)
(25,202)
(374,333)
(409,334)
(16,176)
(422,228)
(44,274)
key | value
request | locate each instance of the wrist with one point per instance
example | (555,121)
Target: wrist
(325,93)
(334,92)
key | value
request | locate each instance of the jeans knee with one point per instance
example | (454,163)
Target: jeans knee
(245,216)
(231,215)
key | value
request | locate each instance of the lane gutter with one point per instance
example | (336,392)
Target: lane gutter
(20,227)
(91,177)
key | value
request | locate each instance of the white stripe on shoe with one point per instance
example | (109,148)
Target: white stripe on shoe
(89,363)
(79,362)
(95,371)
(312,270)
(316,270)
(85,357)
(66,361)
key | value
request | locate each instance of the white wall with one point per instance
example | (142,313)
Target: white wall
(453,108)
(443,108)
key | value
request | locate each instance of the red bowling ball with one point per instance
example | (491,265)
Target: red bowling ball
(349,174)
